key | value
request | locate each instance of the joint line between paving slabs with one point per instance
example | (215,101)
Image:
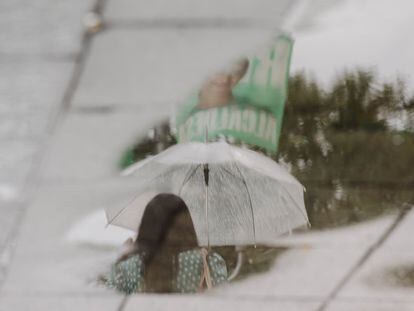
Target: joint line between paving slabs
(403,213)
(81,60)
(186,23)
(122,304)
(30,187)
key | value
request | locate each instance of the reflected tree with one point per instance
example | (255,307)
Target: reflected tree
(346,149)
(351,145)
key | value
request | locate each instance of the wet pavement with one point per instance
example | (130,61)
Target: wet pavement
(39,44)
(87,110)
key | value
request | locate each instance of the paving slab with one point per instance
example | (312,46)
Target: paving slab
(361,236)
(88,146)
(16,159)
(28,87)
(375,279)
(61,303)
(402,237)
(210,302)
(43,27)
(314,264)
(190,9)
(147,66)
(300,273)
(44,263)
(10,212)
(30,94)
(38,43)
(376,305)
(18,126)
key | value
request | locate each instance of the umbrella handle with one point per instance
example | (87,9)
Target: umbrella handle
(239,264)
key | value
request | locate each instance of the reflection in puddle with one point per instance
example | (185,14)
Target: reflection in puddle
(401,276)
(165,256)
(347,146)
(354,163)
(258,260)
(393,277)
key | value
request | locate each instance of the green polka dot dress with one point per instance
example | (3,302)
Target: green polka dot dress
(191,270)
(127,276)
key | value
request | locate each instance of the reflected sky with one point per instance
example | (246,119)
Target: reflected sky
(369,33)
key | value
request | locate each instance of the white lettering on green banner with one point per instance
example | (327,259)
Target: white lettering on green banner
(248,124)
(255,114)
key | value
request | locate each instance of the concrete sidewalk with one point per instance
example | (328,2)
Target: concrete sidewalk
(114,86)
(40,45)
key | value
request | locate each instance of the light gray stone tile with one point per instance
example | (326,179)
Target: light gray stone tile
(402,237)
(20,126)
(304,273)
(30,94)
(62,303)
(41,27)
(32,87)
(316,264)
(89,146)
(375,279)
(142,67)
(9,214)
(210,302)
(375,305)
(193,9)
(356,236)
(44,262)
(16,160)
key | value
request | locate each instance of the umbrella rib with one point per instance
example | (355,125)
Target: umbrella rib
(295,203)
(188,176)
(250,200)
(122,210)
(230,173)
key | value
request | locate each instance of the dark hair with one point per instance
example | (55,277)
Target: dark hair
(166,229)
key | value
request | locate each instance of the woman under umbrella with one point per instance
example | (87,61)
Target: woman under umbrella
(165,256)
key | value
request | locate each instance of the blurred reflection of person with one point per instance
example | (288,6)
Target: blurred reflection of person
(165,256)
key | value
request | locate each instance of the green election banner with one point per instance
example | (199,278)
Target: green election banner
(245,102)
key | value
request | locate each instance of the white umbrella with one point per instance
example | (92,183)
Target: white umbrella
(235,196)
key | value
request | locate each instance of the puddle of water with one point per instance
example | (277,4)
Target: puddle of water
(401,276)
(172,237)
(257,260)
(343,145)
(353,163)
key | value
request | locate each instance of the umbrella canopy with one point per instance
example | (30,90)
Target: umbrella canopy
(235,196)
